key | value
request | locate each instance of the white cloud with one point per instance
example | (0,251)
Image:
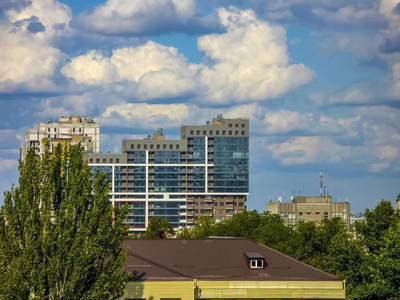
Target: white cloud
(256,67)
(145,115)
(153,70)
(137,17)
(306,150)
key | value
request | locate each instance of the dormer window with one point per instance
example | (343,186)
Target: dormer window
(256,263)
(255,260)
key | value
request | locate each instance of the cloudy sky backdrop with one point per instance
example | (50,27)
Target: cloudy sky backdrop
(319,80)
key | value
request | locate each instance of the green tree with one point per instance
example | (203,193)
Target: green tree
(184,234)
(204,228)
(59,234)
(375,225)
(159,228)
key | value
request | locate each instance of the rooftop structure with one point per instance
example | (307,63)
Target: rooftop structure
(221,268)
(68,130)
(205,172)
(310,209)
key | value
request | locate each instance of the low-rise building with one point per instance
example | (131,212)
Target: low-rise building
(221,268)
(310,209)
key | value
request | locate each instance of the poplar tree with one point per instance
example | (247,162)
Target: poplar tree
(59,234)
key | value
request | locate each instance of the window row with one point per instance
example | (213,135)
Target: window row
(157,146)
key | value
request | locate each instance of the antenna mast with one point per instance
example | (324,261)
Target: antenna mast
(321,180)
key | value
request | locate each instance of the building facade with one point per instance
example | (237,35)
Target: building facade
(221,268)
(205,172)
(310,209)
(68,130)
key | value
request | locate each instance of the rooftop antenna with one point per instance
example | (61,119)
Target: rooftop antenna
(321,180)
(209,111)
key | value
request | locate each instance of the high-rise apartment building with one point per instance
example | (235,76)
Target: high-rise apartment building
(205,172)
(68,130)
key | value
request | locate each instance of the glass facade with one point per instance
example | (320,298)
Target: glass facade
(166,209)
(167,157)
(231,164)
(137,213)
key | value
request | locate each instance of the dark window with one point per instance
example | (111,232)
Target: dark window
(117,160)
(236,132)
(217,132)
(171,147)
(177,147)
(80,129)
(73,129)
(104,161)
(204,132)
(97,160)
(138,146)
(230,132)
(230,125)
(236,125)
(48,129)
(191,132)
(221,204)
(55,129)
(145,146)
(240,203)
(196,211)
(243,132)
(91,160)
(211,132)
(111,160)
(198,132)
(158,146)
(164,146)
(152,146)
(132,146)
(202,211)
(223,132)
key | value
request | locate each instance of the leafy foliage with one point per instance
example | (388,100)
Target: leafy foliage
(159,228)
(59,234)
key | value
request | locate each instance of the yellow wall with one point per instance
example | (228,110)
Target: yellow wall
(333,290)
(154,290)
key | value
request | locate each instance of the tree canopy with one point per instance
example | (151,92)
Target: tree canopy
(59,234)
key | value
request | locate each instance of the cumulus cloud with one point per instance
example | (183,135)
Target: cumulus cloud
(139,18)
(256,67)
(306,150)
(144,115)
(28,60)
(152,70)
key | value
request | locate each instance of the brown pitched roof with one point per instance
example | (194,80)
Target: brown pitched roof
(213,259)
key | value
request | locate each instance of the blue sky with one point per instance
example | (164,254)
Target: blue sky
(319,80)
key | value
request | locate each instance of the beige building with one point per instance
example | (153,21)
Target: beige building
(68,130)
(310,209)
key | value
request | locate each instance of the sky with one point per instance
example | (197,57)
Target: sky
(318,79)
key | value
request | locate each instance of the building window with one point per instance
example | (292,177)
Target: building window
(223,132)
(91,160)
(164,146)
(73,129)
(158,146)
(191,132)
(256,263)
(117,160)
(230,132)
(48,129)
(243,125)
(211,132)
(204,132)
(138,146)
(202,211)
(236,125)
(111,160)
(221,204)
(236,132)
(55,129)
(97,160)
(217,132)
(177,147)
(80,129)
(198,132)
(151,146)
(243,132)
(132,146)
(104,161)
(230,125)
(171,147)
(145,146)
(240,203)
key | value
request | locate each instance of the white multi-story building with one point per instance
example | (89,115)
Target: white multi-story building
(68,130)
